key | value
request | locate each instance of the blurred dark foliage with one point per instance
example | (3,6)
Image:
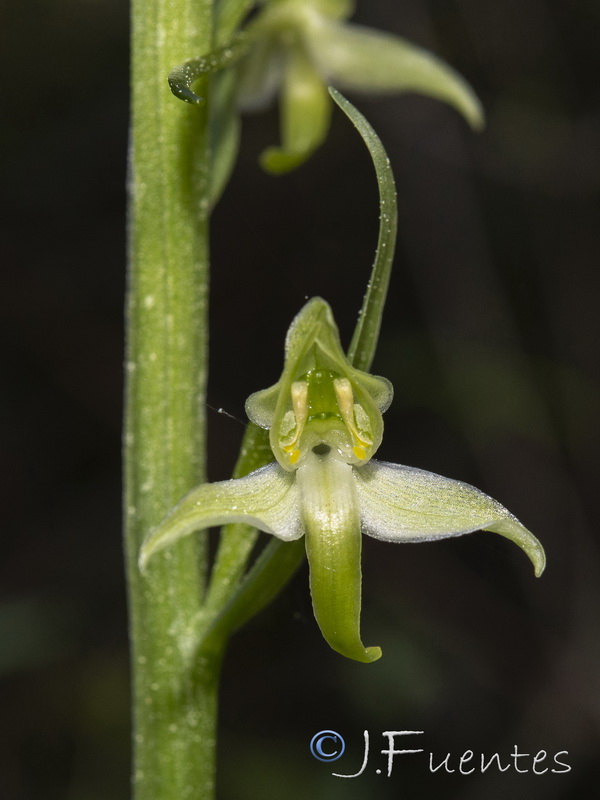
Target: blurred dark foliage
(490,338)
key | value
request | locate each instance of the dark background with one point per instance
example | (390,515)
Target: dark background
(490,338)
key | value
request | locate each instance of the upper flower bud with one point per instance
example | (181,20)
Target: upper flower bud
(294,49)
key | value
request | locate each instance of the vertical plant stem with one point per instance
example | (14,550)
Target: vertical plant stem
(174,695)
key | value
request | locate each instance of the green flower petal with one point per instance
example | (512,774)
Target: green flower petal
(404,504)
(333,543)
(314,355)
(305,111)
(266,499)
(356,58)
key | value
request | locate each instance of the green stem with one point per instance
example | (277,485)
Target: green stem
(174,696)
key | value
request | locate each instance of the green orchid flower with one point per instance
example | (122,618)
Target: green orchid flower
(296,48)
(325,423)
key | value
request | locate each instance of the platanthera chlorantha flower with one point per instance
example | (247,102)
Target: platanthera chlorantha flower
(325,424)
(296,48)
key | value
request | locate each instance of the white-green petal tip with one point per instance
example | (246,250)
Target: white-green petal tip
(404,504)
(266,499)
(361,59)
(511,528)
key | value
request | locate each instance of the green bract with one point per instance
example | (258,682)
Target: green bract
(325,424)
(295,48)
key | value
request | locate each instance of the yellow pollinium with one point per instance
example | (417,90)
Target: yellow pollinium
(345,399)
(299,393)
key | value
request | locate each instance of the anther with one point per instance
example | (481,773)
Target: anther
(345,399)
(299,394)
